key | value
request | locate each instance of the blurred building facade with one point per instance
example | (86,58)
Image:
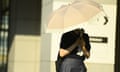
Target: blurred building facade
(24,44)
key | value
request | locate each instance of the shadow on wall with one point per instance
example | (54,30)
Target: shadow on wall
(25,18)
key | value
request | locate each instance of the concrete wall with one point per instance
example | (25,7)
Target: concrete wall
(45,37)
(24,36)
(24,55)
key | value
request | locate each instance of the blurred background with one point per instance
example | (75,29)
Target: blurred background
(25,46)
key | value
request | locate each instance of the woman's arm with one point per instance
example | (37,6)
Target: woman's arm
(63,52)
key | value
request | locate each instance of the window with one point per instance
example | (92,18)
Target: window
(4,25)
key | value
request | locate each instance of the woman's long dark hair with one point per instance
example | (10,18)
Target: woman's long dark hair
(82,42)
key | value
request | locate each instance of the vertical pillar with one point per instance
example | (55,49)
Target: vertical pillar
(45,37)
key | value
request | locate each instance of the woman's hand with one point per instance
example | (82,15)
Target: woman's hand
(86,53)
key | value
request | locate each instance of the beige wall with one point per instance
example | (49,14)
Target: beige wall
(25,54)
(30,52)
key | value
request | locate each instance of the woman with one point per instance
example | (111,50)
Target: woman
(71,43)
